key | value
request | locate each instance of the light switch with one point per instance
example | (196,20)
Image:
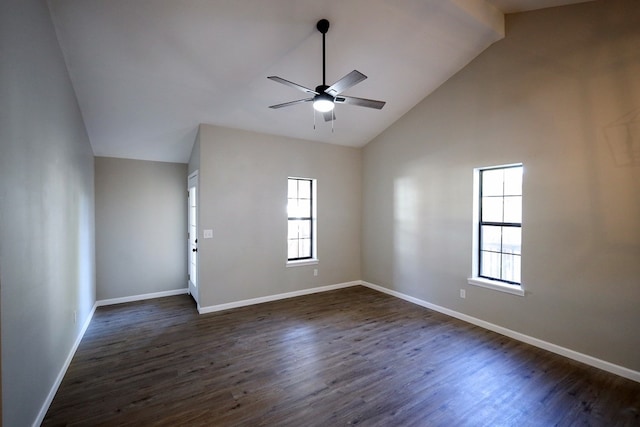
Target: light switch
(208,234)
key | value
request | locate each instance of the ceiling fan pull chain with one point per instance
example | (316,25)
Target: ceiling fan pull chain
(314,118)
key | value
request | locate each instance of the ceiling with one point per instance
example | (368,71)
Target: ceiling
(148,72)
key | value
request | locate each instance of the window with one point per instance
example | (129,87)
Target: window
(301,219)
(499,227)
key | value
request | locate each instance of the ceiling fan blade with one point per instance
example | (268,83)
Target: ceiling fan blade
(287,104)
(329,115)
(292,84)
(361,102)
(345,83)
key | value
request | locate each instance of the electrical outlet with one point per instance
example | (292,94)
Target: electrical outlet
(315,271)
(463,293)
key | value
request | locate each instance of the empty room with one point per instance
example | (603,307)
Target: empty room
(292,212)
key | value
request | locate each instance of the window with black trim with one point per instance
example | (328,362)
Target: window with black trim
(300,208)
(500,224)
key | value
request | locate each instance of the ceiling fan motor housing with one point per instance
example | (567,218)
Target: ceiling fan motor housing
(320,89)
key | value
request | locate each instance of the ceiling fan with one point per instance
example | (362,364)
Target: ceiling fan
(325,97)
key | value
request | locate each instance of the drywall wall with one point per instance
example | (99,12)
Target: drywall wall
(194,158)
(560,94)
(47,257)
(243,198)
(141,226)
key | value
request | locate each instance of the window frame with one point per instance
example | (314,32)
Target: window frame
(312,258)
(477,278)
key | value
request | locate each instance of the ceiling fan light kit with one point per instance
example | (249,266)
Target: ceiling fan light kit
(325,97)
(323,103)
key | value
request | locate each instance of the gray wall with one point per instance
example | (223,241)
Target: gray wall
(243,198)
(47,258)
(141,226)
(552,95)
(194,159)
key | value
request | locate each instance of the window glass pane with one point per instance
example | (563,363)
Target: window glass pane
(292,252)
(293,188)
(491,238)
(305,248)
(292,207)
(293,230)
(492,209)
(192,197)
(304,228)
(299,229)
(304,189)
(304,209)
(299,208)
(513,181)
(511,240)
(490,264)
(511,268)
(492,181)
(513,209)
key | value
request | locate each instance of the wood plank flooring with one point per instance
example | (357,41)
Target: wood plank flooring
(346,357)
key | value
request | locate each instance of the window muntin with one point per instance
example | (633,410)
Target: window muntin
(500,224)
(300,210)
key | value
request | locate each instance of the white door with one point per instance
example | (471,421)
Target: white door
(192,233)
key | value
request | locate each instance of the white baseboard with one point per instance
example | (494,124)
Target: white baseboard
(132,298)
(563,351)
(252,301)
(63,370)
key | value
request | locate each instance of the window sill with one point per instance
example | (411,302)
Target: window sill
(301,263)
(496,286)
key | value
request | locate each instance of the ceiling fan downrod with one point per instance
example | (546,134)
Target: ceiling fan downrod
(323,27)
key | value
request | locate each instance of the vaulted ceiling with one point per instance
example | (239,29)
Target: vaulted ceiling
(147,72)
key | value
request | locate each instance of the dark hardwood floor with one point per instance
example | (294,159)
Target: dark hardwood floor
(346,357)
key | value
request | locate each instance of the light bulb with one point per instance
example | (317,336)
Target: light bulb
(323,103)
